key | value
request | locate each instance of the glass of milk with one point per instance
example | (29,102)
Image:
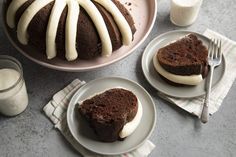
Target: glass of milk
(184,12)
(13,94)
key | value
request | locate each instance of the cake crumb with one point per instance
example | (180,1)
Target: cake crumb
(128,3)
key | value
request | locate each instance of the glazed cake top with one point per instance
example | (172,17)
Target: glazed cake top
(71,23)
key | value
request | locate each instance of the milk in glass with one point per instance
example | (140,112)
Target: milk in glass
(13,93)
(184,12)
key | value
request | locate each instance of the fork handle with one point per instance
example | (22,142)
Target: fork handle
(205,112)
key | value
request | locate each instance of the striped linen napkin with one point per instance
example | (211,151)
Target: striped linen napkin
(194,106)
(56,109)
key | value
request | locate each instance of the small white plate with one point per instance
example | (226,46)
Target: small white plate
(157,82)
(84,135)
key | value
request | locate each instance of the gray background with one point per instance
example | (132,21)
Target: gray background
(177,133)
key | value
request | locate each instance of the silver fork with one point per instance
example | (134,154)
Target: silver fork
(214,59)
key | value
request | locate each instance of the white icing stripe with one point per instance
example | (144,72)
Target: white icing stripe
(53,22)
(119,19)
(130,127)
(100,25)
(11,11)
(71,23)
(71,29)
(27,16)
(181,79)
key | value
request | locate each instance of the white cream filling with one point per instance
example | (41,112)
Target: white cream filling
(130,127)
(181,79)
(52,27)
(119,19)
(11,11)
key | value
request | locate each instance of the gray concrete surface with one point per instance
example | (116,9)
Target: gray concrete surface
(177,134)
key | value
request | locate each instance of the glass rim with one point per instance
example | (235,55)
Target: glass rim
(14,60)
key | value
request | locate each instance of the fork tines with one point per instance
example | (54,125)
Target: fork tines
(214,49)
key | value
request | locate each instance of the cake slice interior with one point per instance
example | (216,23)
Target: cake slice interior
(108,112)
(183,61)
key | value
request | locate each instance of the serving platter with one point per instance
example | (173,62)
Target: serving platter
(144,14)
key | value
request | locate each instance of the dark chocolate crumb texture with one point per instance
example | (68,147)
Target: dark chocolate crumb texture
(187,56)
(108,112)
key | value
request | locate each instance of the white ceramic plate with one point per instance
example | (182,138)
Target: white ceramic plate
(157,82)
(144,14)
(84,134)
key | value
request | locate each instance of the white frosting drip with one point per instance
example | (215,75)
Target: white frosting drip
(71,29)
(11,11)
(100,25)
(129,127)
(181,79)
(27,17)
(51,33)
(119,19)
(71,23)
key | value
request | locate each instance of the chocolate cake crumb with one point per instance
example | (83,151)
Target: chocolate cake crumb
(186,56)
(109,111)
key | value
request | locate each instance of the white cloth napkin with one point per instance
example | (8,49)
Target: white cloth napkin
(56,111)
(194,106)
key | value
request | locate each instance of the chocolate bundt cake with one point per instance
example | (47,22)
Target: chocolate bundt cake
(183,61)
(109,113)
(71,29)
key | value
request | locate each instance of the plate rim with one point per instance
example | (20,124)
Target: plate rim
(77,69)
(71,107)
(173,32)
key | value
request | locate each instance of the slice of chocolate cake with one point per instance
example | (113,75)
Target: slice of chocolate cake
(107,113)
(183,61)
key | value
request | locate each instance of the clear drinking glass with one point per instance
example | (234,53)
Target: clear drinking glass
(13,93)
(184,12)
